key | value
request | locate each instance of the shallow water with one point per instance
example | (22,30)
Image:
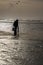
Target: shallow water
(27,49)
(21,52)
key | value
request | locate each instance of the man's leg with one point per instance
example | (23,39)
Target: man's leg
(18,30)
(15,32)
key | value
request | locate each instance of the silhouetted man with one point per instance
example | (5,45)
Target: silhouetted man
(15,27)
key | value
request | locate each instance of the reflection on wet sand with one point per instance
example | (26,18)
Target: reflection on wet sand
(20,52)
(27,49)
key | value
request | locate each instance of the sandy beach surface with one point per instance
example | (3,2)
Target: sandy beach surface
(27,49)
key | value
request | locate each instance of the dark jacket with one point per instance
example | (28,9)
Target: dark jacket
(15,25)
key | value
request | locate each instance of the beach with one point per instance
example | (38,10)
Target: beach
(27,49)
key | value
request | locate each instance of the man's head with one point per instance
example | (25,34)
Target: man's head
(17,20)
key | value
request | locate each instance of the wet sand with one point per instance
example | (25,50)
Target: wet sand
(27,49)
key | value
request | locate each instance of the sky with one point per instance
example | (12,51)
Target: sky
(21,9)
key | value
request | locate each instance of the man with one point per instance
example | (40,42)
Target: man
(15,27)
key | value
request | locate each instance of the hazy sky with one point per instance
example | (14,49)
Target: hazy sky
(23,9)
